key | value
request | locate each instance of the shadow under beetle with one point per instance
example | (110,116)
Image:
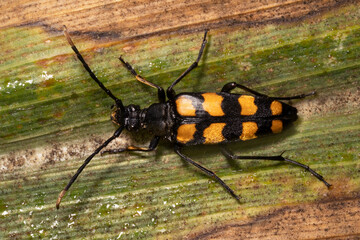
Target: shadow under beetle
(198,118)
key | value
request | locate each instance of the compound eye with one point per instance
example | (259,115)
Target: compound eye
(115,115)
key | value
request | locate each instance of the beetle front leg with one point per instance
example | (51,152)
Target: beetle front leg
(161,92)
(153,144)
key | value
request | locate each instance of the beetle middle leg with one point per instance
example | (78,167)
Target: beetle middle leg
(227,153)
(232,85)
(206,171)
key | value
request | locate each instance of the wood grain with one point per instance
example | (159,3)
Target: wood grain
(336,219)
(128,19)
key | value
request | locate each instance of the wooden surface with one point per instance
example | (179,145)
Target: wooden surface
(277,47)
(327,220)
(126,19)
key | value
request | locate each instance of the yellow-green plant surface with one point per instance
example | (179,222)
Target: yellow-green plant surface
(50,107)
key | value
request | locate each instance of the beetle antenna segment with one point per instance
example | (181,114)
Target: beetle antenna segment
(227,153)
(92,75)
(72,180)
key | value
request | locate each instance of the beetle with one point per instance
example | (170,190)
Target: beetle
(195,118)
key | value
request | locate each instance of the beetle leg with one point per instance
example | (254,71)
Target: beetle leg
(206,171)
(232,85)
(153,144)
(161,92)
(295,97)
(227,153)
(86,162)
(170,92)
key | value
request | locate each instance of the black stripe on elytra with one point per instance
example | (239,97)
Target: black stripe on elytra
(230,105)
(263,104)
(199,134)
(232,130)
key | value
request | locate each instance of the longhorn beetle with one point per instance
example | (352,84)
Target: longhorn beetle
(197,118)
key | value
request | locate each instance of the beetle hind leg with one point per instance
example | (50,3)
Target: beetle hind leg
(230,155)
(232,85)
(300,96)
(206,171)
